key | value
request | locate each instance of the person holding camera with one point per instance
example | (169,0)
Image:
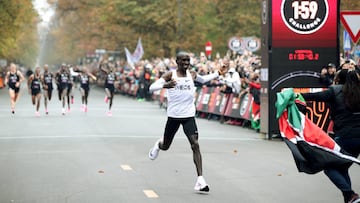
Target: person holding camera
(327,74)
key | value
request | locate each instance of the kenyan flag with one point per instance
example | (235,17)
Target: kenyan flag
(313,150)
(255,116)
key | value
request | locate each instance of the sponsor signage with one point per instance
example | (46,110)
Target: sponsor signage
(240,44)
(304,38)
(299,37)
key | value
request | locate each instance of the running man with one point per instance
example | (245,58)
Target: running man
(47,83)
(73,76)
(181,110)
(13,79)
(109,85)
(34,86)
(85,86)
(62,81)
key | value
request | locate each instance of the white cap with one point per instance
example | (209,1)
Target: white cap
(149,66)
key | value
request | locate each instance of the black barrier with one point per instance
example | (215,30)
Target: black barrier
(209,100)
(212,101)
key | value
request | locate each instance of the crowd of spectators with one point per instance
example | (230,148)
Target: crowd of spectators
(135,80)
(330,74)
(243,75)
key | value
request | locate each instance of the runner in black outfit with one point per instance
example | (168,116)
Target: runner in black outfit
(84,78)
(34,85)
(47,83)
(13,79)
(109,85)
(62,81)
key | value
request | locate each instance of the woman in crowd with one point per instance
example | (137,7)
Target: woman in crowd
(344,100)
(254,89)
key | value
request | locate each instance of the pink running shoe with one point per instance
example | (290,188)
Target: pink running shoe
(109,113)
(37,114)
(85,109)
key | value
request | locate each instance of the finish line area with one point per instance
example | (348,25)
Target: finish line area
(91,157)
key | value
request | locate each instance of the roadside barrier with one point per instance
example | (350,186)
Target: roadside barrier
(211,102)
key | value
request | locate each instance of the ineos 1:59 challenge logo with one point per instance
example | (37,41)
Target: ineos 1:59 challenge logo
(304,17)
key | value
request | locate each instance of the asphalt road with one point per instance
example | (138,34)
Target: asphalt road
(93,158)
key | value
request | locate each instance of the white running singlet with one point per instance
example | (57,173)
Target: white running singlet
(181,100)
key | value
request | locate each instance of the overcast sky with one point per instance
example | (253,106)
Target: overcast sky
(45,10)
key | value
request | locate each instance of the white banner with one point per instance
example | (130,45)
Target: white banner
(129,58)
(136,56)
(139,52)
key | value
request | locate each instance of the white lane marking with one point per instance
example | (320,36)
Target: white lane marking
(150,194)
(77,109)
(126,167)
(122,136)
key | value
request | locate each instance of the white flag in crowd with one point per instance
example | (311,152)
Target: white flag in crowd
(139,52)
(136,56)
(129,58)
